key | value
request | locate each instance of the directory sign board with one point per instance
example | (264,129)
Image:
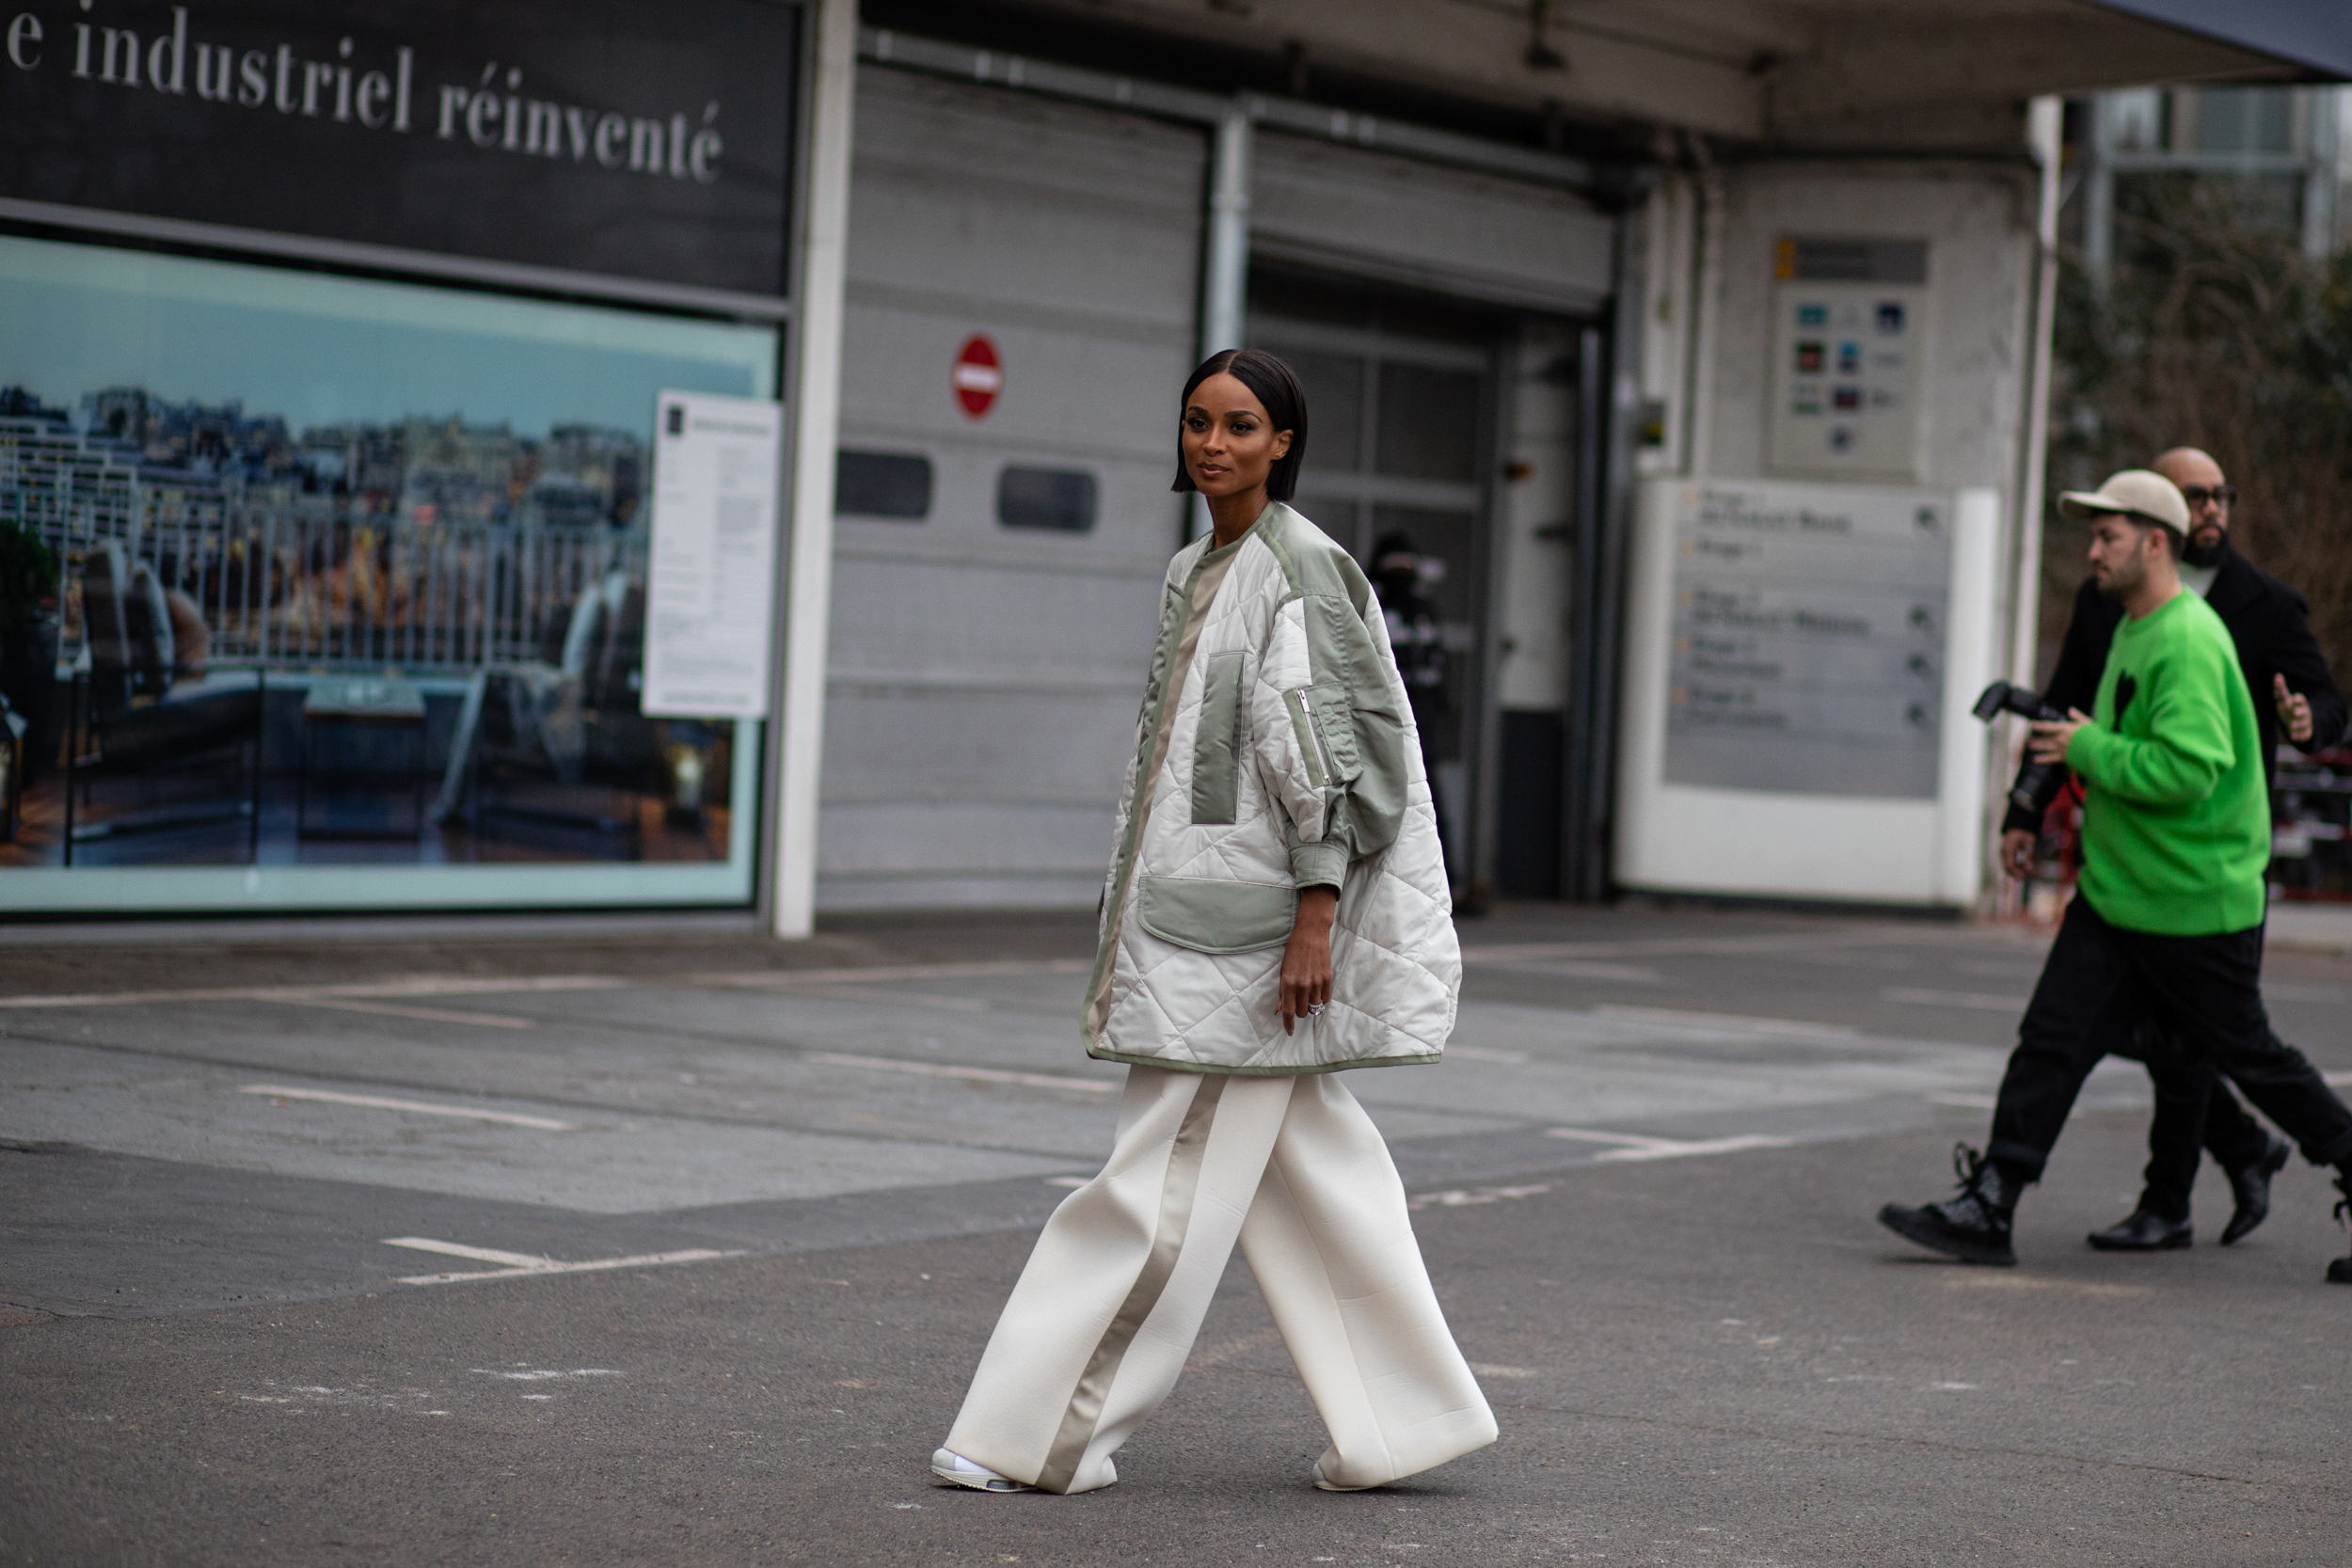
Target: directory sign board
(1849,340)
(628,137)
(1809,638)
(710,594)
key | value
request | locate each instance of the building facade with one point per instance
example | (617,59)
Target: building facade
(404,556)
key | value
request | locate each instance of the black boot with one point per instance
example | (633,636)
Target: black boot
(2146,1231)
(2252,1187)
(1974,1226)
(2340,1269)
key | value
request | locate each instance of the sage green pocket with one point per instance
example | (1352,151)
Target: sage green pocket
(1335,726)
(1210,914)
(1217,747)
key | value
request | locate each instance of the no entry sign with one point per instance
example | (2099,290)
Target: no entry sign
(980,375)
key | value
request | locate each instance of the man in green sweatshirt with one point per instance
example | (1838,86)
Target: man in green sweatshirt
(2168,918)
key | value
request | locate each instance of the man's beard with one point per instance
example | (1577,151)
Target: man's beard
(2195,554)
(2117,584)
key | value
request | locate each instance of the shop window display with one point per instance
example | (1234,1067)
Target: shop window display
(348,595)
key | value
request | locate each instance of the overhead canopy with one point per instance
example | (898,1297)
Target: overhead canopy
(1847,73)
(2315,35)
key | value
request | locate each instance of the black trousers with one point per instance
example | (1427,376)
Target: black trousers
(2195,1110)
(2101,982)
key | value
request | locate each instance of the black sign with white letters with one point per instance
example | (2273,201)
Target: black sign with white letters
(642,138)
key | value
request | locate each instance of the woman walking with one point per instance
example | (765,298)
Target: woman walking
(1275,911)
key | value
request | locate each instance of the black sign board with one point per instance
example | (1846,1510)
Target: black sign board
(643,138)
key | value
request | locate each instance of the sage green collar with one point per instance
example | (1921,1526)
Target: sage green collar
(1212,554)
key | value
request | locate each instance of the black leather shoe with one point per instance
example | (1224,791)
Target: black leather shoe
(2145,1232)
(2252,1187)
(1974,1226)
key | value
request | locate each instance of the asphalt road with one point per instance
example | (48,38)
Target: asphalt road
(242,1187)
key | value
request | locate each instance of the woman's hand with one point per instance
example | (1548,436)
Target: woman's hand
(1307,960)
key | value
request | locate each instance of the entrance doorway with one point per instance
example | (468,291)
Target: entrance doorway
(1403,398)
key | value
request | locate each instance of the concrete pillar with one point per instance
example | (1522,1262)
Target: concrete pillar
(814,410)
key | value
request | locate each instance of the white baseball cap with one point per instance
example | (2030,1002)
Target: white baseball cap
(2143,494)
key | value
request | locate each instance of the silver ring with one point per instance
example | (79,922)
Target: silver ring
(1315,1009)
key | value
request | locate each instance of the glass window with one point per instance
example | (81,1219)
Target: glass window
(882,485)
(1334,385)
(1058,498)
(2245,119)
(350,607)
(1428,422)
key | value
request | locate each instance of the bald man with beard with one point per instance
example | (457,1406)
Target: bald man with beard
(2295,700)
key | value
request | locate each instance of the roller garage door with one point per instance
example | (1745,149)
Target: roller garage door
(1022,287)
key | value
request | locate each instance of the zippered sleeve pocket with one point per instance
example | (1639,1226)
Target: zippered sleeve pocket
(1331,719)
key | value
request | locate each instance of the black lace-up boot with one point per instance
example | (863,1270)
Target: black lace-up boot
(1974,1226)
(2252,1187)
(2340,1269)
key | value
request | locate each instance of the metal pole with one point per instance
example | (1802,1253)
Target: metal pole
(1225,272)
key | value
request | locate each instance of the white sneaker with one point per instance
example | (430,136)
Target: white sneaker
(1324,1485)
(962,1472)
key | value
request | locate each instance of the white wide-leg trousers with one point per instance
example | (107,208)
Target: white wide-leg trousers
(1106,1310)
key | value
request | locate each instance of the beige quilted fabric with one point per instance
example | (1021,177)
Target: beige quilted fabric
(1396,965)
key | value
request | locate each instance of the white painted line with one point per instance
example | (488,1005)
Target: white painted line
(2339,1079)
(479,1254)
(764,978)
(541,1266)
(395,1010)
(982,1074)
(1633,1146)
(1987,1002)
(1964,1101)
(414,985)
(377,1102)
(1727,1023)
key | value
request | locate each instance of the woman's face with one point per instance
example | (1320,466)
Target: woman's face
(1229,445)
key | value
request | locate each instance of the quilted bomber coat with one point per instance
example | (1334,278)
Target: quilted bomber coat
(1276,750)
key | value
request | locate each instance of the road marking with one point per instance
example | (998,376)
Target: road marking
(2339,1079)
(983,1074)
(1801,942)
(415,985)
(763,978)
(479,1254)
(1964,1101)
(395,1010)
(1982,1001)
(377,1102)
(525,1266)
(1634,1146)
(1462,1197)
(1725,1022)
(492,986)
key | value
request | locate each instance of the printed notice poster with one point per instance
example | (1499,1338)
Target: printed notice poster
(712,583)
(1809,632)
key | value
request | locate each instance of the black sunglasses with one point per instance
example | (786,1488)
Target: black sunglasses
(2198,495)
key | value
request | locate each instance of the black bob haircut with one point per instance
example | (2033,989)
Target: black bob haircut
(1275,385)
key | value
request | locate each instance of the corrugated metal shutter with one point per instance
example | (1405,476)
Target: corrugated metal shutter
(984,677)
(1472,235)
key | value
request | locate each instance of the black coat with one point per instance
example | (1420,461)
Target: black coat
(2267,621)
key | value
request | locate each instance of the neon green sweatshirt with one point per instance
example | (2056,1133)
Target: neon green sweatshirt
(2176,821)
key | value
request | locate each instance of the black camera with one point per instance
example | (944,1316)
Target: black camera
(2032,790)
